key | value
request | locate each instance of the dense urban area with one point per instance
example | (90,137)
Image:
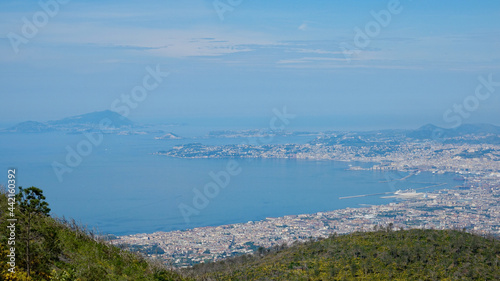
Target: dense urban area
(471,205)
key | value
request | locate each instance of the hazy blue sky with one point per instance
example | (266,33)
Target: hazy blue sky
(258,56)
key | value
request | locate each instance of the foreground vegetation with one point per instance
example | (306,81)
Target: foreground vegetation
(380,255)
(56,249)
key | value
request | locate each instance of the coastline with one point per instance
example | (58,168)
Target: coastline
(473,206)
(473,209)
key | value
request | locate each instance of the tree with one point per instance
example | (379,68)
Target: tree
(390,227)
(32,201)
(32,205)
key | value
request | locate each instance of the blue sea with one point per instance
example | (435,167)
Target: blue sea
(121,187)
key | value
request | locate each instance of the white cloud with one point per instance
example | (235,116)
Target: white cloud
(161,42)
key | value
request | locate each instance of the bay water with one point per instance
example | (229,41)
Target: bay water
(122,187)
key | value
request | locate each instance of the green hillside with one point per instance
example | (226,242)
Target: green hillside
(381,255)
(63,250)
(57,249)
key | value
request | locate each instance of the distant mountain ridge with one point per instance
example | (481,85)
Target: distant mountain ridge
(431,131)
(116,122)
(94,118)
(84,122)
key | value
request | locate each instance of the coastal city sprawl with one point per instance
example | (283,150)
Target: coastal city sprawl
(472,205)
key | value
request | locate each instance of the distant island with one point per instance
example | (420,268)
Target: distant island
(168,136)
(107,121)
